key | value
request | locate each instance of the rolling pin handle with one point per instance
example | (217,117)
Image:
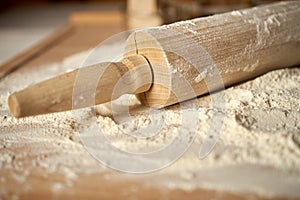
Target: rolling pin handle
(133,75)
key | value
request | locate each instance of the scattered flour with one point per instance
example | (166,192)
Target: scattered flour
(258,150)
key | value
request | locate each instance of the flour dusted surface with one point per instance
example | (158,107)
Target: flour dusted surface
(258,150)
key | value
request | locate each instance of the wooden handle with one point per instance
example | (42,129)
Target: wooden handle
(55,94)
(187,59)
(240,44)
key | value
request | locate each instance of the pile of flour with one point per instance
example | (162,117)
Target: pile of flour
(258,149)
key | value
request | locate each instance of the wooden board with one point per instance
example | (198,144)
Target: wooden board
(84,31)
(35,51)
(80,36)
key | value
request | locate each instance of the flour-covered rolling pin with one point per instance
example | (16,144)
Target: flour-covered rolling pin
(207,53)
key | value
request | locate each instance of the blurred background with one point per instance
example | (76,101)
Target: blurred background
(25,22)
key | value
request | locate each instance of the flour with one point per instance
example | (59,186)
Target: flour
(201,76)
(258,150)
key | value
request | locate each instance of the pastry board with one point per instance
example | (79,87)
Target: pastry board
(84,31)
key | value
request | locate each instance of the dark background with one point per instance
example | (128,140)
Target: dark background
(6,4)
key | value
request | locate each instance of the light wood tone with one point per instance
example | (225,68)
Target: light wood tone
(242,45)
(22,58)
(79,34)
(96,18)
(55,94)
(142,14)
(96,185)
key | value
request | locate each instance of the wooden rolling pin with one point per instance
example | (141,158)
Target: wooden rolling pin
(240,44)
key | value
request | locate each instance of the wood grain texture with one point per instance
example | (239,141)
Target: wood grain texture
(24,57)
(87,186)
(224,49)
(188,59)
(95,85)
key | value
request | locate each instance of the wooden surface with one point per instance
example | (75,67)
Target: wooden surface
(263,51)
(97,18)
(92,186)
(218,51)
(75,37)
(35,51)
(56,94)
(95,186)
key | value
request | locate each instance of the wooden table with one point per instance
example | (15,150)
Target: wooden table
(84,32)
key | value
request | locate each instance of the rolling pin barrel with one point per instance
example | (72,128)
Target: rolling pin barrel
(240,45)
(208,53)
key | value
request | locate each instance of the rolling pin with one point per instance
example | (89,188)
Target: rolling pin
(238,45)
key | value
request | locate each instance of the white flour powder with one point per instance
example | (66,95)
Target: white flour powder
(258,150)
